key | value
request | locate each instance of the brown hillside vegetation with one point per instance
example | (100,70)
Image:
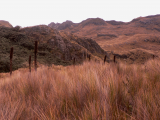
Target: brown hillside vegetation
(90,91)
(54,47)
(120,37)
(64,45)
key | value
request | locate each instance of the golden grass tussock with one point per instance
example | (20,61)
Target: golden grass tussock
(91,91)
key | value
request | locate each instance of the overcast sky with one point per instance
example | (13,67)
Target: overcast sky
(36,12)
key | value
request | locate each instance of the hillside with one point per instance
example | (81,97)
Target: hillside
(54,47)
(5,24)
(141,34)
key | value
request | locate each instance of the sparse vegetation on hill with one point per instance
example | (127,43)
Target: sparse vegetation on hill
(91,91)
(54,47)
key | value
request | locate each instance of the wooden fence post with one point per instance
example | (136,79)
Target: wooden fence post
(84,55)
(114,59)
(30,63)
(105,59)
(74,61)
(11,56)
(35,55)
(89,57)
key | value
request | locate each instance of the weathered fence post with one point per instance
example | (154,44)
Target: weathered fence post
(153,57)
(35,55)
(30,63)
(84,55)
(105,59)
(74,61)
(114,59)
(89,57)
(11,56)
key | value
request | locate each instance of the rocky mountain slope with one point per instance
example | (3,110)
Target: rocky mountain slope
(123,38)
(62,26)
(53,47)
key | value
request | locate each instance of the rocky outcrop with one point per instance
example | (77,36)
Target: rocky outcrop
(62,26)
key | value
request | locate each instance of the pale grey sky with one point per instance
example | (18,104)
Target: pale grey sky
(36,12)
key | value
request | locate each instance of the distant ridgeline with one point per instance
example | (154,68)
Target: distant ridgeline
(54,47)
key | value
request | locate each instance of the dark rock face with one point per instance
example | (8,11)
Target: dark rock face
(90,45)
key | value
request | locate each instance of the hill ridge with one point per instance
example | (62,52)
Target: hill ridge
(54,47)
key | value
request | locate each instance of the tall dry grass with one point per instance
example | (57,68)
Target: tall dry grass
(91,91)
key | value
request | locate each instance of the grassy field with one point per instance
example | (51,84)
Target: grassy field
(91,91)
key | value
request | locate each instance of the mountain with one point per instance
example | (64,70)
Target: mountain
(93,26)
(123,38)
(5,24)
(149,22)
(93,21)
(54,47)
(62,26)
